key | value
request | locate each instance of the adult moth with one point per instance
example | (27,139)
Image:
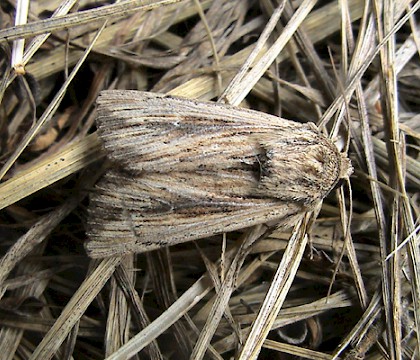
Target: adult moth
(186,170)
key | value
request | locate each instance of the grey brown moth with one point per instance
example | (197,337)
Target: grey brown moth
(186,170)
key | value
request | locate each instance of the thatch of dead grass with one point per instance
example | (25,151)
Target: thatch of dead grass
(343,284)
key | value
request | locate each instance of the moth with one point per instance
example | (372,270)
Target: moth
(185,170)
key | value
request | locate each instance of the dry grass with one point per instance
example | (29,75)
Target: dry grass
(345,283)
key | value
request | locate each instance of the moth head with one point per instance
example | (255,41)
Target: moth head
(304,167)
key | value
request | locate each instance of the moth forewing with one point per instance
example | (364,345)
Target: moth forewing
(153,210)
(163,133)
(185,170)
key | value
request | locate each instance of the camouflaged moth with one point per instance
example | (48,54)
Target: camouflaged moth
(186,170)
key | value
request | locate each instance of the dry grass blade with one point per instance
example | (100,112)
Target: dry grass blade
(266,60)
(276,295)
(188,299)
(39,231)
(18,45)
(75,308)
(234,85)
(345,286)
(127,286)
(224,295)
(39,40)
(49,112)
(71,159)
(123,8)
